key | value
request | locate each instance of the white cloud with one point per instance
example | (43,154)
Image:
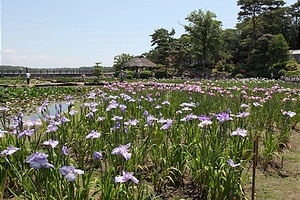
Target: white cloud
(11,57)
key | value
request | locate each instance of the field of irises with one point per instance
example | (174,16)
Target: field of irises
(147,140)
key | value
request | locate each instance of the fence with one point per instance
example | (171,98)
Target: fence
(46,72)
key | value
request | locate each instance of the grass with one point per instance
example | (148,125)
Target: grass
(276,183)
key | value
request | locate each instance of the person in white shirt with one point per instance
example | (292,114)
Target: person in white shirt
(28,75)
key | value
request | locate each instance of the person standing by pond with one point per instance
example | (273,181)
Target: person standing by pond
(28,76)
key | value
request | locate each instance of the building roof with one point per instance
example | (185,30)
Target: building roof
(139,61)
(295,52)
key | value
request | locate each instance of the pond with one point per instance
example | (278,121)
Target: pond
(52,108)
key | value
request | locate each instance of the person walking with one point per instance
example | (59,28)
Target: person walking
(28,76)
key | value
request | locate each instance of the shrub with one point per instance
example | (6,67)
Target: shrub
(161,74)
(145,74)
(291,65)
(292,73)
(129,74)
(282,72)
(239,76)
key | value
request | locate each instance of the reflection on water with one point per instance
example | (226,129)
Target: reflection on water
(52,109)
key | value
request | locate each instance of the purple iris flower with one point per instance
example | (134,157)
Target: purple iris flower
(98,155)
(39,160)
(52,143)
(231,163)
(117,118)
(223,116)
(117,126)
(73,112)
(65,150)
(100,119)
(69,172)
(189,117)
(90,114)
(132,122)
(240,132)
(289,113)
(167,123)
(64,120)
(126,176)
(27,132)
(122,107)
(146,114)
(9,150)
(3,109)
(243,114)
(93,134)
(123,150)
(52,127)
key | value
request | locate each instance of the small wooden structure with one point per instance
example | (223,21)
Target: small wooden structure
(139,63)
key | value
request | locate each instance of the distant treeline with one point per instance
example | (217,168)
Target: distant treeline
(18,68)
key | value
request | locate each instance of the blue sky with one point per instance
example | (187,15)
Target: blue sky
(73,33)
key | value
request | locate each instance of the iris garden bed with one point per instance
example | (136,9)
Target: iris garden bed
(145,140)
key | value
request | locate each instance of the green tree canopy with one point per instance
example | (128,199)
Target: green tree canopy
(205,31)
(120,60)
(253,10)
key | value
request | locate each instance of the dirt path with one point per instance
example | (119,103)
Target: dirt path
(279,184)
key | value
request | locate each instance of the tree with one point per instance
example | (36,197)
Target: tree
(205,31)
(278,50)
(295,26)
(120,60)
(163,40)
(229,42)
(253,10)
(97,70)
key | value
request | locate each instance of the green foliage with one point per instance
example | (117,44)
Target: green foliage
(278,49)
(282,72)
(145,74)
(205,32)
(292,73)
(161,74)
(129,74)
(163,40)
(220,66)
(291,65)
(239,76)
(120,60)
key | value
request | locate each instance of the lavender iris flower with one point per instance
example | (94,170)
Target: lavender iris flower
(73,112)
(93,134)
(69,172)
(9,150)
(100,119)
(132,122)
(39,160)
(240,132)
(117,126)
(27,132)
(243,114)
(64,150)
(123,150)
(52,143)
(117,118)
(122,107)
(223,116)
(64,120)
(98,155)
(231,163)
(289,113)
(126,176)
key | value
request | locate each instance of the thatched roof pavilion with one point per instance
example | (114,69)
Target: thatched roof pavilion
(139,62)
